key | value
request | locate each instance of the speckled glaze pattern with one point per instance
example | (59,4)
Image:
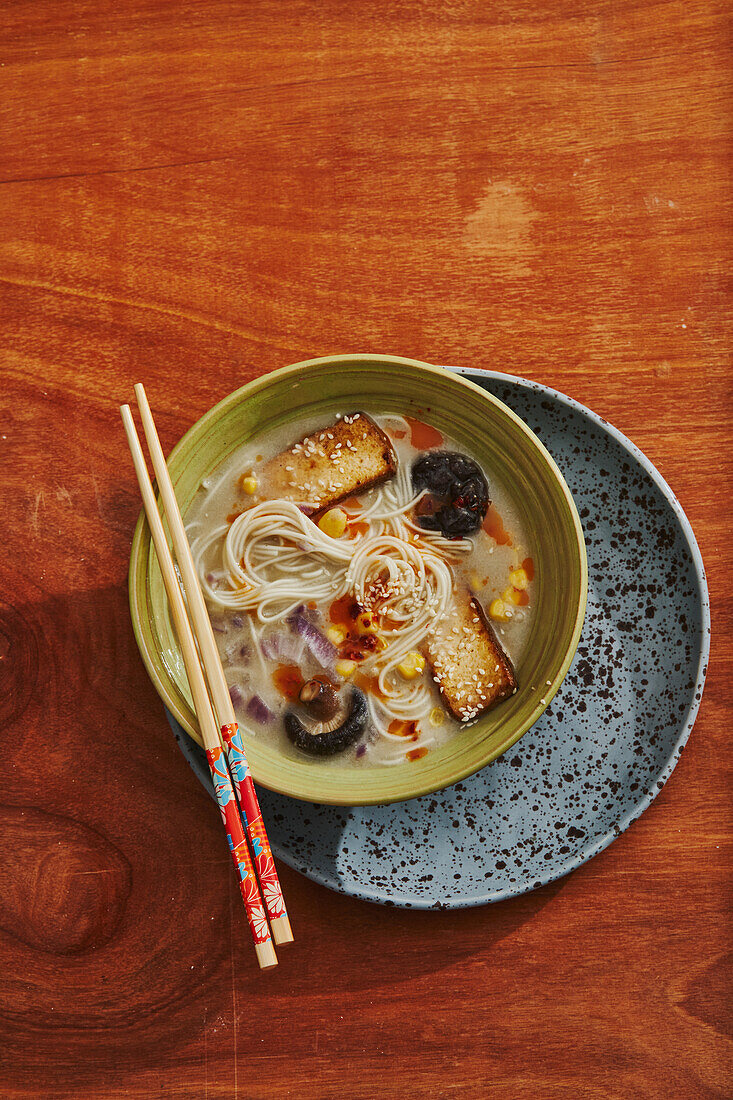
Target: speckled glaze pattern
(603,748)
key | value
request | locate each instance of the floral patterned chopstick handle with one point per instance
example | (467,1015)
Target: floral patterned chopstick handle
(245,789)
(238,846)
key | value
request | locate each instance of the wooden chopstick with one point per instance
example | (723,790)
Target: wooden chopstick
(264,949)
(223,706)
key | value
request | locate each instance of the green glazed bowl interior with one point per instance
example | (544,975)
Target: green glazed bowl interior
(509,453)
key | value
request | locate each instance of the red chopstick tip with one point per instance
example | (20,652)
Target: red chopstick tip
(281,931)
(266,956)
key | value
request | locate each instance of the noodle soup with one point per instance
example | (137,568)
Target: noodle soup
(367,628)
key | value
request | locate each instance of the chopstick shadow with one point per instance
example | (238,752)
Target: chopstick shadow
(72,662)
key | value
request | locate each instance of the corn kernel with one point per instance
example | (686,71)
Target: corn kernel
(499,611)
(412,666)
(437,717)
(381,643)
(333,522)
(249,484)
(336,634)
(510,595)
(366,623)
(345,668)
(518,578)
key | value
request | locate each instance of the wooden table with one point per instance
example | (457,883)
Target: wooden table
(195,193)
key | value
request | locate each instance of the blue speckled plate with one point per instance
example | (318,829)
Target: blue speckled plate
(603,748)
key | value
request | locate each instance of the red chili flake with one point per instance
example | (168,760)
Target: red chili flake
(417,754)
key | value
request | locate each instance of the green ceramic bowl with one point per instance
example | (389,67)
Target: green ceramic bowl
(508,451)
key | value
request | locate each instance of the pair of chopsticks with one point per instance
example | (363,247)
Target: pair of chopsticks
(222,738)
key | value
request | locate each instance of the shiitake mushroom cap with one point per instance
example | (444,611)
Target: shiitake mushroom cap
(320,699)
(328,742)
(460,490)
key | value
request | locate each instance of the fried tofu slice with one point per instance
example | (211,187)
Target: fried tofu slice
(469,665)
(341,460)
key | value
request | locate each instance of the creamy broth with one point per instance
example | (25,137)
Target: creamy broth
(272,646)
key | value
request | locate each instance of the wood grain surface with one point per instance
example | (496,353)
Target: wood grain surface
(193,193)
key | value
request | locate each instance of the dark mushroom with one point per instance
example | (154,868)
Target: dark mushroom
(326,739)
(459,493)
(321,700)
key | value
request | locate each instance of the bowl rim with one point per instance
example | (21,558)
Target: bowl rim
(138,570)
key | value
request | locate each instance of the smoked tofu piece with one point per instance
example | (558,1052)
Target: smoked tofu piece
(469,665)
(341,460)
